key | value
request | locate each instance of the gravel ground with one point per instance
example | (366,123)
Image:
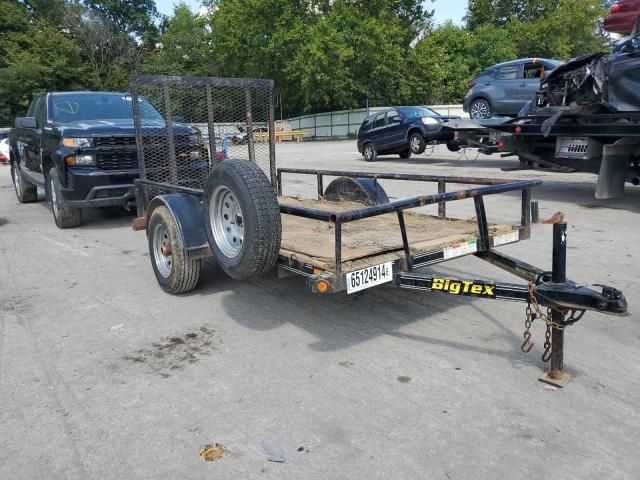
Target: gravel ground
(103,376)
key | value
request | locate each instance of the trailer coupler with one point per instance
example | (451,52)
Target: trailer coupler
(565,301)
(565,296)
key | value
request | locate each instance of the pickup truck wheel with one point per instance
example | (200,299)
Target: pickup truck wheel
(369,152)
(25,192)
(65,216)
(242,219)
(406,154)
(175,271)
(417,143)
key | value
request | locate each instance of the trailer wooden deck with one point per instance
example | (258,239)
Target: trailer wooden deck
(372,240)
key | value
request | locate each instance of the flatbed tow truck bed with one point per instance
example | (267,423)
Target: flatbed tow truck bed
(351,236)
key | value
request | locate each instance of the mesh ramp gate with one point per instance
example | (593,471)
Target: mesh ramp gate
(185,124)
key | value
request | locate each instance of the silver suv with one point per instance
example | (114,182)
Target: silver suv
(506,87)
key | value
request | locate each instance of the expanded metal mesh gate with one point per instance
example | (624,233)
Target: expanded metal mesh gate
(185,124)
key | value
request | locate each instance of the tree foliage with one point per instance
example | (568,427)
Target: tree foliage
(322,54)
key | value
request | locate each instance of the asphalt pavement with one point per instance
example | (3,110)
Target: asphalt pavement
(104,376)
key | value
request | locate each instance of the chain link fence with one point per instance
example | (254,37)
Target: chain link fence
(345,123)
(185,124)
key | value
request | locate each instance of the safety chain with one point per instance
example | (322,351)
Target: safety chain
(535,312)
(527,345)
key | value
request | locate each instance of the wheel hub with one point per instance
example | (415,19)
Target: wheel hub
(162,250)
(227,222)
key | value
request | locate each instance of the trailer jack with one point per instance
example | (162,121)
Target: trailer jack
(564,300)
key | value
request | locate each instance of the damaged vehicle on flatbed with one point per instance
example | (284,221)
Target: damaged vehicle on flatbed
(585,117)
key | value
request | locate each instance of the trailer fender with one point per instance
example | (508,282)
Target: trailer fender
(187,212)
(616,159)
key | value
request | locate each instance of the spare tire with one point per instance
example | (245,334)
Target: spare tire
(242,219)
(363,190)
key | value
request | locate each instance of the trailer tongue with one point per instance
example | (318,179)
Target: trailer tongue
(350,237)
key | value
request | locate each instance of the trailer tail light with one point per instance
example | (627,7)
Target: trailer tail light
(615,8)
(501,143)
(322,286)
(518,130)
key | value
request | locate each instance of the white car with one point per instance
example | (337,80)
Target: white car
(4,146)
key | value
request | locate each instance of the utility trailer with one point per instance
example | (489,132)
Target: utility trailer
(349,236)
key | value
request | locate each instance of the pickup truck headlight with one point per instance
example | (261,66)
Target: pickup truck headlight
(77,142)
(81,160)
(430,121)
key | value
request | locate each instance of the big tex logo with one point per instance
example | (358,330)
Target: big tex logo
(464,287)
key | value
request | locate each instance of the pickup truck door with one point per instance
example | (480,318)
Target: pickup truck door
(30,140)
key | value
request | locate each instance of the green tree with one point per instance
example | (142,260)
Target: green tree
(565,32)
(446,65)
(185,47)
(34,56)
(136,17)
(348,57)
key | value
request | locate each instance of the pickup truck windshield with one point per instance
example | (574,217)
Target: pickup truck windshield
(100,106)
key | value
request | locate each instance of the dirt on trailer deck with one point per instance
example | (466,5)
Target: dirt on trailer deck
(373,240)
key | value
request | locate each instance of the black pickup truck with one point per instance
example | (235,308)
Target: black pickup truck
(80,147)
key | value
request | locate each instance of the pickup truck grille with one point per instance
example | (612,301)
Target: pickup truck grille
(114,141)
(117,160)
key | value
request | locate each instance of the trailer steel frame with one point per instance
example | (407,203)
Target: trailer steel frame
(551,289)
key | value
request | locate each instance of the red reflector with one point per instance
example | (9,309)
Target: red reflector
(615,8)
(518,129)
(500,143)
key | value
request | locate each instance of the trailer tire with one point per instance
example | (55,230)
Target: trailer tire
(64,215)
(25,192)
(242,219)
(176,272)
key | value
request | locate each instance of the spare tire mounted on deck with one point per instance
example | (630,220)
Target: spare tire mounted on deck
(242,219)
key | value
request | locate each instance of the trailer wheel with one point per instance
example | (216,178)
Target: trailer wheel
(242,219)
(25,192)
(174,270)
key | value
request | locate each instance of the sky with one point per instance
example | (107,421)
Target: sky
(444,9)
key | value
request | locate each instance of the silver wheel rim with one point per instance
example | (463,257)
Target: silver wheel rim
(54,198)
(227,222)
(161,239)
(415,143)
(16,181)
(479,110)
(368,152)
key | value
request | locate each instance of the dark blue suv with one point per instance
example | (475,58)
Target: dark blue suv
(402,131)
